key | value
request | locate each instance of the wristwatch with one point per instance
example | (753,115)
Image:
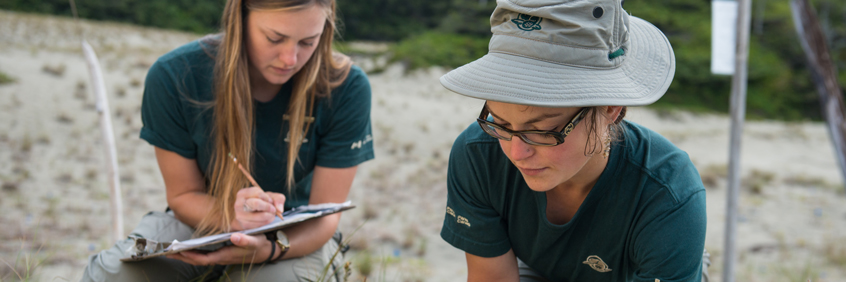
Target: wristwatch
(282,241)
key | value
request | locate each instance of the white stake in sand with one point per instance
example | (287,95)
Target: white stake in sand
(99,86)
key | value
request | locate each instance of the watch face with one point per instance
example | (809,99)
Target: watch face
(282,238)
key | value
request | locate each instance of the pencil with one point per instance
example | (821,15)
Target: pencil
(252,180)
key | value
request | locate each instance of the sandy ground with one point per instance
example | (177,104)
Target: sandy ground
(54,196)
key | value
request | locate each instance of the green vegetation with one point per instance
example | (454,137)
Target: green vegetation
(780,86)
(200,16)
(453,32)
(5,78)
(439,49)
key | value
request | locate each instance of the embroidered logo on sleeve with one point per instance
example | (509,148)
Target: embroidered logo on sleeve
(597,264)
(459,219)
(359,143)
(463,220)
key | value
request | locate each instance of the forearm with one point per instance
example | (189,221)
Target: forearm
(500,269)
(309,236)
(190,208)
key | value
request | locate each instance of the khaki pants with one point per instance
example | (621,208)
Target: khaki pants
(163,227)
(528,274)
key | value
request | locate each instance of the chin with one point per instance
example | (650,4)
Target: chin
(275,79)
(538,185)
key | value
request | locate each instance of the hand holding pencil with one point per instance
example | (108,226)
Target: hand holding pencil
(261,198)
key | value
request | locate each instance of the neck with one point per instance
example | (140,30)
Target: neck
(587,176)
(564,200)
(577,187)
(262,90)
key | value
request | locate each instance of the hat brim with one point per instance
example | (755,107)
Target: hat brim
(641,79)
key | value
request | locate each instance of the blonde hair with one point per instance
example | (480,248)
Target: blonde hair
(233,123)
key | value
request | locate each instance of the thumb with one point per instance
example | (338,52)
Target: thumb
(244,240)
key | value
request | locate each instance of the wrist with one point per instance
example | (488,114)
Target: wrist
(279,241)
(272,252)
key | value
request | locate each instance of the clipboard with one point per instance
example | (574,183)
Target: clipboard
(144,248)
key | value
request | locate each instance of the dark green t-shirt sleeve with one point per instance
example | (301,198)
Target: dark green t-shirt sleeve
(669,247)
(162,112)
(471,223)
(347,138)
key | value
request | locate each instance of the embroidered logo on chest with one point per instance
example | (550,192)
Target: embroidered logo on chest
(597,264)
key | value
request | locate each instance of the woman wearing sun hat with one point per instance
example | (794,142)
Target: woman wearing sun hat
(551,183)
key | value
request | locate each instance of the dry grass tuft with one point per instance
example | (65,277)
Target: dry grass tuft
(712,174)
(120,91)
(370,212)
(757,180)
(26,144)
(91,174)
(411,235)
(810,182)
(363,263)
(26,263)
(64,118)
(80,92)
(135,82)
(64,178)
(21,173)
(57,70)
(10,187)
(359,243)
(835,251)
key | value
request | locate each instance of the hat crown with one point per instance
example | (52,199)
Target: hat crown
(577,32)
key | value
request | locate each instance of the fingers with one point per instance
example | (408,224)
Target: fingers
(253,199)
(253,192)
(245,250)
(193,258)
(257,205)
(278,200)
(254,207)
(246,241)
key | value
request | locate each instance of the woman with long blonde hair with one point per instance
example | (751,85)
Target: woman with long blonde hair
(269,92)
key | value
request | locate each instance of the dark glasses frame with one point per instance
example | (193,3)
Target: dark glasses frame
(557,135)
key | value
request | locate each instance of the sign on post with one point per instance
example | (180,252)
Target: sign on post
(723,36)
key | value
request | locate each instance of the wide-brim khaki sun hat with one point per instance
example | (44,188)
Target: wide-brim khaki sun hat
(568,54)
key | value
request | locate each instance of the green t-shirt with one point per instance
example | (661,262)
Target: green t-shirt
(644,218)
(173,120)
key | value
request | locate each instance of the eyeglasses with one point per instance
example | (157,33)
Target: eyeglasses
(531,137)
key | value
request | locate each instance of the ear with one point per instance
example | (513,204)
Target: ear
(612,112)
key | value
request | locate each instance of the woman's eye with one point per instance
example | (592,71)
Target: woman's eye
(307,44)
(271,40)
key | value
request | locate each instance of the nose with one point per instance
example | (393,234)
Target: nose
(519,149)
(288,54)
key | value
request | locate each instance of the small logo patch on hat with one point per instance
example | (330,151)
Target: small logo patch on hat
(527,22)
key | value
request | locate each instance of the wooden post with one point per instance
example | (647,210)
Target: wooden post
(824,74)
(738,115)
(99,86)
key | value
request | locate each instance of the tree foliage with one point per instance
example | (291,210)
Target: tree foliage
(201,16)
(454,32)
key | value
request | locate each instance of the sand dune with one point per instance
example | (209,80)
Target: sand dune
(54,197)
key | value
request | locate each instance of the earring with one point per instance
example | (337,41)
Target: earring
(607,143)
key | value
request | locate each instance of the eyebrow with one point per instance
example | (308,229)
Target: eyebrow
(533,120)
(286,36)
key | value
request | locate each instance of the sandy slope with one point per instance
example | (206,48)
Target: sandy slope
(54,198)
